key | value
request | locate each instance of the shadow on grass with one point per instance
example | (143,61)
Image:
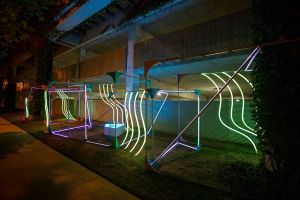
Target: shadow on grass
(127,171)
(10,143)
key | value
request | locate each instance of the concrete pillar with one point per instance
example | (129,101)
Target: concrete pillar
(130,86)
(77,68)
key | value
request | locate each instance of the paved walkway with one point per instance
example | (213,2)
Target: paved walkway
(31,170)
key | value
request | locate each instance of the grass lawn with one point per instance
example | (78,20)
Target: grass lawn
(193,176)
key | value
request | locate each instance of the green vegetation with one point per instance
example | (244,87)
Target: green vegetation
(276,106)
(184,175)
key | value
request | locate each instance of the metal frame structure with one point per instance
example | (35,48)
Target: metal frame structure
(247,63)
(64,94)
(180,141)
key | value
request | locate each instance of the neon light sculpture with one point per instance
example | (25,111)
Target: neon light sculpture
(130,116)
(243,104)
(219,114)
(137,122)
(106,101)
(231,105)
(246,63)
(66,112)
(127,122)
(143,123)
(128,106)
(177,142)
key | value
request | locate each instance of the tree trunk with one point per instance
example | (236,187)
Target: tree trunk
(43,67)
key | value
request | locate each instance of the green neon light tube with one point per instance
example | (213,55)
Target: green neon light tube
(106,95)
(107,103)
(243,103)
(62,104)
(231,106)
(46,108)
(120,105)
(66,107)
(130,116)
(143,123)
(219,115)
(126,117)
(65,111)
(26,108)
(137,122)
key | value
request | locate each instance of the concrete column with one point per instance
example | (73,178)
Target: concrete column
(130,86)
(77,68)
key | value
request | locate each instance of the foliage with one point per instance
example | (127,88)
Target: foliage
(21,19)
(243,178)
(24,27)
(275,90)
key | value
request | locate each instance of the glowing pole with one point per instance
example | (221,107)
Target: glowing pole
(89,106)
(85,113)
(219,114)
(231,106)
(143,123)
(26,108)
(243,103)
(164,101)
(46,108)
(198,123)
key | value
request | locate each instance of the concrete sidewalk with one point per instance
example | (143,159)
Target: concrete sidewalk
(31,170)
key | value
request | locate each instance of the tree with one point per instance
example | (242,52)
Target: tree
(276,84)
(24,29)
